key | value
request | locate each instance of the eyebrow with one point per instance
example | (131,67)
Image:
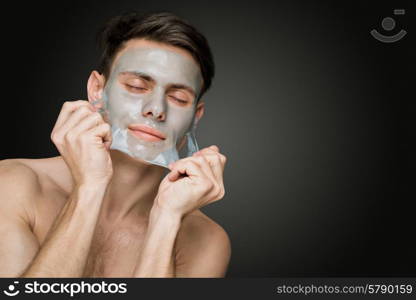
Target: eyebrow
(184,87)
(151,79)
(139,74)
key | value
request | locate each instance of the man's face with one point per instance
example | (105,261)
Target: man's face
(151,97)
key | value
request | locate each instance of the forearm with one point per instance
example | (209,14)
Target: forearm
(156,257)
(65,250)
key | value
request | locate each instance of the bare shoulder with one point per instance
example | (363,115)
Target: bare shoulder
(197,223)
(23,181)
(19,184)
(18,177)
(200,231)
(202,248)
(45,173)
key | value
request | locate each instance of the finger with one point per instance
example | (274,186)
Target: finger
(213,173)
(75,118)
(205,177)
(215,163)
(87,123)
(184,168)
(215,159)
(102,133)
(209,150)
(215,148)
(206,167)
(67,109)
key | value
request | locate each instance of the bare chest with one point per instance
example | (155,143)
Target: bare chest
(114,253)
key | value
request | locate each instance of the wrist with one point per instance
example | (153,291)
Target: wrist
(158,213)
(93,184)
(93,191)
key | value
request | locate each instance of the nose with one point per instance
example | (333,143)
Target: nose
(155,107)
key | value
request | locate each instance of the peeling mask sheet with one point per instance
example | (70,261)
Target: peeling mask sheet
(152,115)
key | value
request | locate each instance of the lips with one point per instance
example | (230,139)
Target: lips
(146,133)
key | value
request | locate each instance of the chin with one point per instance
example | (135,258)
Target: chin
(146,163)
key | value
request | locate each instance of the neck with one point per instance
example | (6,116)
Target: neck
(132,189)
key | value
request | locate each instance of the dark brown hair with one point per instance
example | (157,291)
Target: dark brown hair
(161,27)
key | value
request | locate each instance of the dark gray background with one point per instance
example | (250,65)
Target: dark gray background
(314,115)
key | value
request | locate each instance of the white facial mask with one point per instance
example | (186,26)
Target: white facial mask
(134,113)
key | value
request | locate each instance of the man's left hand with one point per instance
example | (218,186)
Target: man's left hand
(192,183)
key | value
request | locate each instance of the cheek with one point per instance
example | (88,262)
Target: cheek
(122,106)
(181,120)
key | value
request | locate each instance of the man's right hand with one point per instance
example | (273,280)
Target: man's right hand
(83,139)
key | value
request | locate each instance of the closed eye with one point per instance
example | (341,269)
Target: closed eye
(133,88)
(180,101)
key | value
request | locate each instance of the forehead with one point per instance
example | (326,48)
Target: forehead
(164,64)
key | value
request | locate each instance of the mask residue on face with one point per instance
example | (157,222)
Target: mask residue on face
(125,110)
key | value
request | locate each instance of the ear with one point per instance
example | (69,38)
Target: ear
(95,86)
(200,109)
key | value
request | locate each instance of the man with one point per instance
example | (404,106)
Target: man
(100,212)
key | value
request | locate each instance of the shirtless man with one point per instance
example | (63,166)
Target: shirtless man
(99,212)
